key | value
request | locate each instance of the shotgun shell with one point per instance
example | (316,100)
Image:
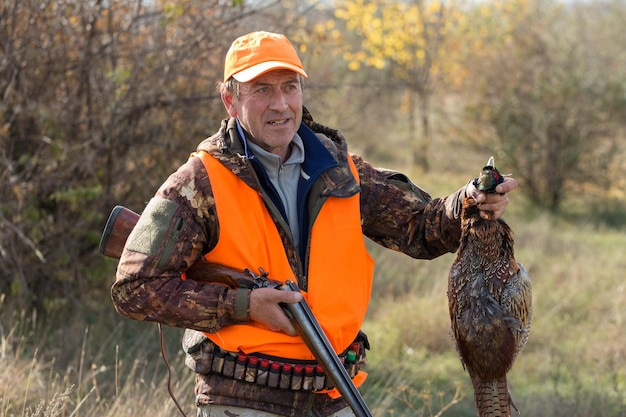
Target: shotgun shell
(350,363)
(263,372)
(274,375)
(285,376)
(252,369)
(318,382)
(240,367)
(309,376)
(356,347)
(296,377)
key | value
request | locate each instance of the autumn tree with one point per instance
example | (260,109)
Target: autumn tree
(548,79)
(100,102)
(405,38)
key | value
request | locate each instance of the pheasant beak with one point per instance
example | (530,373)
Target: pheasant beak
(491,163)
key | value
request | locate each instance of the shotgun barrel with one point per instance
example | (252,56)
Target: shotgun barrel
(121,223)
(311,332)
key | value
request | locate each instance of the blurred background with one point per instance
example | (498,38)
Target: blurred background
(101,100)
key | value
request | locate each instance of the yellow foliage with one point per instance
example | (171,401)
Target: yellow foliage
(431,37)
(319,29)
(354,65)
(485,11)
(403,35)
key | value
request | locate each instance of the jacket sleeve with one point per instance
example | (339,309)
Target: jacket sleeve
(403,217)
(177,226)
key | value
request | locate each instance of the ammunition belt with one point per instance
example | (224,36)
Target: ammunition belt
(270,371)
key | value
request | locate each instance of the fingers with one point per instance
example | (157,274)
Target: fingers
(498,207)
(507,186)
(290,296)
(265,308)
(493,204)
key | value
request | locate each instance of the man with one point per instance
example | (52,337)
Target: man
(275,193)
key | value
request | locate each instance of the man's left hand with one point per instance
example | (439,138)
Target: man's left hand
(493,203)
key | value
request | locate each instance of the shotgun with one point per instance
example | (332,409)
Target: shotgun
(121,222)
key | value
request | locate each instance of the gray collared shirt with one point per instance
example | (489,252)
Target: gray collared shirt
(284,177)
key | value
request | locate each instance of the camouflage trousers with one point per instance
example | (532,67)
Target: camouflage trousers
(230,411)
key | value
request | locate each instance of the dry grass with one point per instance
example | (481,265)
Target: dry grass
(574,364)
(102,384)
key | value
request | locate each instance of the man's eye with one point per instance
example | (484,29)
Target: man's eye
(292,89)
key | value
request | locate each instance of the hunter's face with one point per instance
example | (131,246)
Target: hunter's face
(269,109)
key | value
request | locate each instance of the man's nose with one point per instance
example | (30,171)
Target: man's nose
(278,100)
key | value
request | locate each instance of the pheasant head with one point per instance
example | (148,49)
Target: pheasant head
(489,178)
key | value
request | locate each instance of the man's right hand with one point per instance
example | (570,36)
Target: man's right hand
(265,308)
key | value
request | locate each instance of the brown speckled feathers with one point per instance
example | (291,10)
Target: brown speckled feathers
(489,297)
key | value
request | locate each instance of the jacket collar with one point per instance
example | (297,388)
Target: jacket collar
(325,149)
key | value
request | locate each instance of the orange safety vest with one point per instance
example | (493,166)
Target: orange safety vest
(340,268)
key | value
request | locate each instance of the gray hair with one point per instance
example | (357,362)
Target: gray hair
(231,86)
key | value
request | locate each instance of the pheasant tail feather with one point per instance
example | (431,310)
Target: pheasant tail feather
(492,397)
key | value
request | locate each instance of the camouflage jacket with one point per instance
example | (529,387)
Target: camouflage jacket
(180,224)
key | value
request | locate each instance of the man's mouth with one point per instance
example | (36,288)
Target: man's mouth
(278,122)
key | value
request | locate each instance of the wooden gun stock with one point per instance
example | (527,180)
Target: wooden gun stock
(120,224)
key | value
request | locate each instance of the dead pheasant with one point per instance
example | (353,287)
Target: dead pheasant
(489,296)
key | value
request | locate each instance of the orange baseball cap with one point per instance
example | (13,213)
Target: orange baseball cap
(256,53)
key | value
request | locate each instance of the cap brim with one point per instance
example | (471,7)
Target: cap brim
(255,71)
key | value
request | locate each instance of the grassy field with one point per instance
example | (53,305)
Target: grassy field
(574,364)
(575,361)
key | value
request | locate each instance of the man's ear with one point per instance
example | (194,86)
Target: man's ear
(227,99)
